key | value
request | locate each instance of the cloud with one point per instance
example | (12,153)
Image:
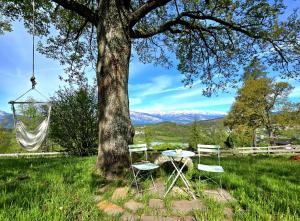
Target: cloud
(208,104)
(158,85)
(295,93)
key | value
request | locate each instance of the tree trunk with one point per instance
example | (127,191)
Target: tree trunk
(114,50)
(270,135)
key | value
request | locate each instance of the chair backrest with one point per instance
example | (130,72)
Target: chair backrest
(137,148)
(209,149)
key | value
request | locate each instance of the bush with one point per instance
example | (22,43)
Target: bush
(74,120)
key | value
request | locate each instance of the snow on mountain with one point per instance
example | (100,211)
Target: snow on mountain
(182,117)
(138,117)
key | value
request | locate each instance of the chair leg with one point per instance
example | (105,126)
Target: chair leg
(135,179)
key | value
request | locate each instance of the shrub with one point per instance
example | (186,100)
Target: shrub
(74,120)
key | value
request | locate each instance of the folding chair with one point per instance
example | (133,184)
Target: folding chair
(210,149)
(143,166)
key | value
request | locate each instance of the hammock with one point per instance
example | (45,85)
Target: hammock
(32,140)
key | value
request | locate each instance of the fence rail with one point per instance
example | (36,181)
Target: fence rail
(47,154)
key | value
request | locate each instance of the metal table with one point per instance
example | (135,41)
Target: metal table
(183,155)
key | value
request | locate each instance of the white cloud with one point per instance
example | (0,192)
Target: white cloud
(158,85)
(295,93)
(209,104)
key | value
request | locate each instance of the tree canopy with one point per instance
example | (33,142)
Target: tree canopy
(211,39)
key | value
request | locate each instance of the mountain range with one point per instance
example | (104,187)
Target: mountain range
(141,118)
(181,117)
(6,120)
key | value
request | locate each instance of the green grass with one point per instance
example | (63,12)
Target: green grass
(266,188)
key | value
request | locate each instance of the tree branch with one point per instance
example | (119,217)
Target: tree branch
(78,8)
(144,9)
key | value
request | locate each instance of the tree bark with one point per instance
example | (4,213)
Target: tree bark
(114,50)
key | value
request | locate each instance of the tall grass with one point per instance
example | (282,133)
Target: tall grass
(266,188)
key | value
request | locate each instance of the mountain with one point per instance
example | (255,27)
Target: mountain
(141,118)
(181,117)
(6,120)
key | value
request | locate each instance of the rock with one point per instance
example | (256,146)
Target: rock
(110,208)
(219,195)
(185,206)
(133,205)
(228,214)
(177,191)
(129,217)
(162,159)
(160,188)
(150,218)
(156,204)
(120,193)
(102,189)
(97,198)
(170,218)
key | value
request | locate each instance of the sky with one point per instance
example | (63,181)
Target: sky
(151,88)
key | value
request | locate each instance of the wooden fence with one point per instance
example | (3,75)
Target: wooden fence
(42,154)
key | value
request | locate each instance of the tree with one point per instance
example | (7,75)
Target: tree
(74,120)
(211,39)
(255,104)
(254,70)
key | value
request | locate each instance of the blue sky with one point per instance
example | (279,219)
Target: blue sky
(151,88)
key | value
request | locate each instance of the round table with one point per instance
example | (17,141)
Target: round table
(183,155)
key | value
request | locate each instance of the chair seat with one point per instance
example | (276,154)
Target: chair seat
(145,166)
(210,168)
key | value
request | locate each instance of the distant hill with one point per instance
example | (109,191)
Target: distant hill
(6,120)
(180,117)
(145,118)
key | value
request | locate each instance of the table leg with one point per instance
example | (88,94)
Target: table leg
(185,181)
(176,177)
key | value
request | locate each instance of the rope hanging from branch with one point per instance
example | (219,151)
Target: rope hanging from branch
(31,140)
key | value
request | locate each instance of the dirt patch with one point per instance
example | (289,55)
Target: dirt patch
(296,158)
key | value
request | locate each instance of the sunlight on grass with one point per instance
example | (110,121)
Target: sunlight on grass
(266,188)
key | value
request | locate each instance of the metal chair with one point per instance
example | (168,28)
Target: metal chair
(141,166)
(210,149)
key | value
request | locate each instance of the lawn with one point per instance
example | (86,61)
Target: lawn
(265,187)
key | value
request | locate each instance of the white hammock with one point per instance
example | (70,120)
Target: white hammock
(32,140)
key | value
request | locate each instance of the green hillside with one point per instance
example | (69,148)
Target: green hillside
(172,132)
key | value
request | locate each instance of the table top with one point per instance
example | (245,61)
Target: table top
(174,153)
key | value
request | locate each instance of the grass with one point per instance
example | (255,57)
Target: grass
(266,188)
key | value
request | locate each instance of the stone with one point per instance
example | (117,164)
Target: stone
(228,214)
(177,191)
(129,217)
(133,205)
(186,206)
(219,195)
(110,208)
(156,204)
(97,198)
(170,218)
(160,188)
(162,159)
(102,189)
(120,193)
(176,218)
